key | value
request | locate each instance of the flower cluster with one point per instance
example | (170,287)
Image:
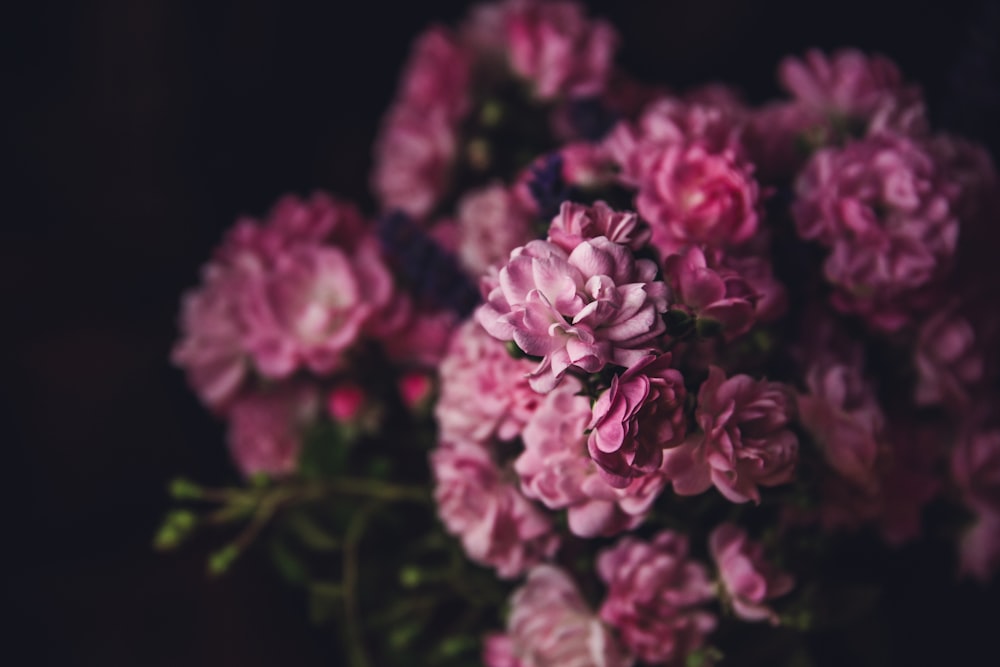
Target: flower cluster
(656,347)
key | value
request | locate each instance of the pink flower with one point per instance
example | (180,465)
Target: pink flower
(690,195)
(975,465)
(594,306)
(498,651)
(979,549)
(550,624)
(436,76)
(553,45)
(747,579)
(655,595)
(745,441)
(211,347)
(673,122)
(498,526)
(484,391)
(841,411)
(416,389)
(714,295)
(576,223)
(265,429)
(292,222)
(634,420)
(311,308)
(556,469)
(345,402)
(491,223)
(413,335)
(947,359)
(215,323)
(851,86)
(882,207)
(413,157)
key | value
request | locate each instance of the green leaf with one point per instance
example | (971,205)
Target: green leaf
(325,599)
(289,564)
(220,561)
(182,488)
(310,533)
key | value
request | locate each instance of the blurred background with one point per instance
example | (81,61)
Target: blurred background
(136,132)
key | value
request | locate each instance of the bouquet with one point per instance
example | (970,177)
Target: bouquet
(614,374)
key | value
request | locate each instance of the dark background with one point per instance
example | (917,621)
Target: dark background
(136,132)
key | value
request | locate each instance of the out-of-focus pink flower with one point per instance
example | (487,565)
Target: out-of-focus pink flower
(635,419)
(550,624)
(979,549)
(413,336)
(484,391)
(771,297)
(311,308)
(413,157)
(593,306)
(883,208)
(292,222)
(416,389)
(975,465)
(214,318)
(498,651)
(672,122)
(745,442)
(265,429)
(211,348)
(841,412)
(436,76)
(708,293)
(746,577)
(850,86)
(586,165)
(655,599)
(345,401)
(498,526)
(947,360)
(491,223)
(558,49)
(577,223)
(556,469)
(690,195)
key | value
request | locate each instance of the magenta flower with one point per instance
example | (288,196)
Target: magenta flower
(498,526)
(841,411)
(979,548)
(211,349)
(498,651)
(635,419)
(747,579)
(436,76)
(215,319)
(690,195)
(947,360)
(655,598)
(849,85)
(311,308)
(883,209)
(555,46)
(550,624)
(576,223)
(745,441)
(491,223)
(594,306)
(413,157)
(265,429)
(556,469)
(975,465)
(484,391)
(712,123)
(709,293)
